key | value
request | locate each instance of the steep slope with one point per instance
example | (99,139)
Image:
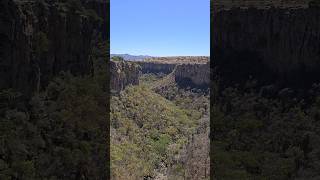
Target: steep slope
(148,132)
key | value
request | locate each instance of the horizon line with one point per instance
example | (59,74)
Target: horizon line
(157,55)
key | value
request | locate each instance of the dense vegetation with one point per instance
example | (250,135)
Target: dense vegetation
(59,133)
(149,132)
(259,133)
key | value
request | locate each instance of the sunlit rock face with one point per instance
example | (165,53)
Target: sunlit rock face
(193,75)
(268,43)
(123,73)
(40,39)
(187,71)
(155,67)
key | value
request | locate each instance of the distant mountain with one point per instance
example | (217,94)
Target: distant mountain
(129,57)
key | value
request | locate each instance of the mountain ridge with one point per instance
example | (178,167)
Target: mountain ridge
(130,57)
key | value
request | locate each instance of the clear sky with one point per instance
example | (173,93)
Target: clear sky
(160,27)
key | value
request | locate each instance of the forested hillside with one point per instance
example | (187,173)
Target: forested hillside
(150,129)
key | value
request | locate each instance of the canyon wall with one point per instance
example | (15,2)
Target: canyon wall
(193,75)
(155,67)
(39,39)
(192,71)
(123,73)
(272,44)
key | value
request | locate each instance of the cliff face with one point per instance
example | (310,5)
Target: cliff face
(40,39)
(123,73)
(100,8)
(184,70)
(193,75)
(154,67)
(267,44)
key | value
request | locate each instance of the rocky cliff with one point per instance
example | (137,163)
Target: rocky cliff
(184,70)
(167,64)
(39,39)
(123,73)
(155,67)
(193,75)
(268,43)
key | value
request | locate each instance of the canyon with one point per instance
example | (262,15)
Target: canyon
(186,71)
(162,86)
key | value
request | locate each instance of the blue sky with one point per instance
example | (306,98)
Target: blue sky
(160,27)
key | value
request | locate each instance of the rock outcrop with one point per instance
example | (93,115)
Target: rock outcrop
(268,43)
(39,39)
(184,70)
(185,74)
(167,64)
(155,67)
(193,75)
(123,73)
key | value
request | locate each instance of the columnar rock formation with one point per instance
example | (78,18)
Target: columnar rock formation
(186,70)
(39,39)
(184,74)
(155,67)
(123,73)
(267,42)
(194,75)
